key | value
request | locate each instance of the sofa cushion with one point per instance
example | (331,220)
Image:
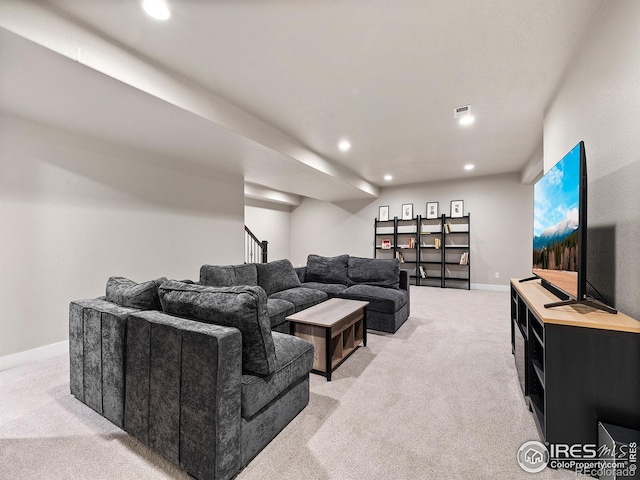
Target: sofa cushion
(294,360)
(374,271)
(228,275)
(381,299)
(300,271)
(326,269)
(301,297)
(279,310)
(243,307)
(127,293)
(331,289)
(277,276)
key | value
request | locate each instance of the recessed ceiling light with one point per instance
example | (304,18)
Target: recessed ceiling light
(466,120)
(468,167)
(388,178)
(344,145)
(158,9)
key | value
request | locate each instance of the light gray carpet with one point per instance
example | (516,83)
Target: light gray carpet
(439,399)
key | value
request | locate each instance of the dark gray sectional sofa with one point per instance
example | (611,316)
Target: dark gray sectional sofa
(289,290)
(206,373)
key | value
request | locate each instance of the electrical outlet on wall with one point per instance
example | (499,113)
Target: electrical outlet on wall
(497,274)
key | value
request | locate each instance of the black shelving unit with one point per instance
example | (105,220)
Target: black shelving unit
(430,252)
(384,230)
(429,249)
(401,237)
(406,246)
(456,266)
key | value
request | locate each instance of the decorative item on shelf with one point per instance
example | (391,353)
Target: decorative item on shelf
(412,242)
(432,210)
(407,211)
(437,243)
(383,213)
(457,208)
(464,258)
(400,257)
(447,228)
(386,244)
(423,272)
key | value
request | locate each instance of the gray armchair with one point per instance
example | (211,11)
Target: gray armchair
(206,382)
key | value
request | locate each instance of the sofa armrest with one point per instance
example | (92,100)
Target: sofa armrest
(97,333)
(183,388)
(301,271)
(404,280)
(404,285)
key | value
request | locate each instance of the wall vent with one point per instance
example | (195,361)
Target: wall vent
(461,111)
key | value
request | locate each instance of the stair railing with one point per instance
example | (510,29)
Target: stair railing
(255,251)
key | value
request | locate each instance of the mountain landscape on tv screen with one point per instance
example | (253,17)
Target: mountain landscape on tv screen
(556,233)
(557,249)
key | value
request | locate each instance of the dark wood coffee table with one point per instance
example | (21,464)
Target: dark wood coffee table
(335,327)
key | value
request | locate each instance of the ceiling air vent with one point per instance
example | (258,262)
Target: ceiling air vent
(461,111)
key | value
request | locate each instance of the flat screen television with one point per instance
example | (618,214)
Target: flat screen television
(559,226)
(560,230)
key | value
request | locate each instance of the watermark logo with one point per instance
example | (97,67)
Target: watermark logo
(618,461)
(533,457)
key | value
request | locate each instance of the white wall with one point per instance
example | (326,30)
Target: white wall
(501,211)
(270,222)
(599,102)
(74,211)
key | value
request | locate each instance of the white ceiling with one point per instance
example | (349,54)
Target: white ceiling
(385,75)
(39,84)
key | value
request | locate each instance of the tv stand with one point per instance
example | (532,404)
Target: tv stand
(589,302)
(575,368)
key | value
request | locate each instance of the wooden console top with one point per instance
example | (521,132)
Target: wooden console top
(575,316)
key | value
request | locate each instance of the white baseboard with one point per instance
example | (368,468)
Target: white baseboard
(488,286)
(34,355)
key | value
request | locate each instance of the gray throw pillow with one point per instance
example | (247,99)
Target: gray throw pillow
(327,269)
(377,272)
(127,293)
(243,307)
(228,275)
(277,276)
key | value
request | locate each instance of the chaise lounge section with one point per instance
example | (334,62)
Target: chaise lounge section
(377,281)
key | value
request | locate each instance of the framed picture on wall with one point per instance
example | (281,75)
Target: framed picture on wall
(407,211)
(432,209)
(383,213)
(457,208)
